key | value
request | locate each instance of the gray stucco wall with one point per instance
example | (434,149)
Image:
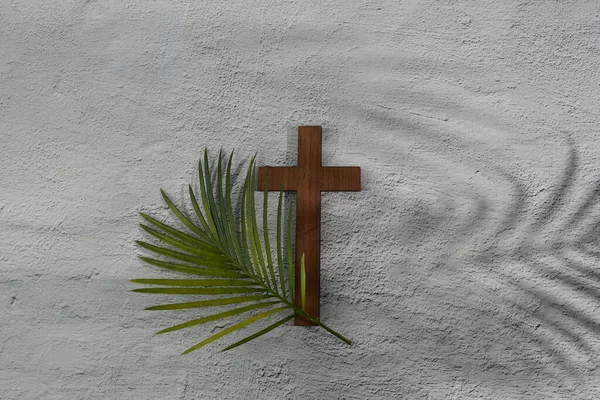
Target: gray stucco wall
(468,267)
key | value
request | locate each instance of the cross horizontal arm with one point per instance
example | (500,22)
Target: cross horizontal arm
(279,177)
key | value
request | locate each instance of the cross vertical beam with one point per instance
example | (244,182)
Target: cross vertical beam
(308,220)
(308,180)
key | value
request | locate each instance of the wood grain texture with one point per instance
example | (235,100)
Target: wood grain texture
(308,179)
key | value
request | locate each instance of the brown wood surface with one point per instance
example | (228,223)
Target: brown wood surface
(309,179)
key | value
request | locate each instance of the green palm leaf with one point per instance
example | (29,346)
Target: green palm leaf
(235,327)
(218,316)
(260,333)
(231,254)
(204,261)
(176,233)
(194,270)
(302,283)
(266,234)
(203,290)
(210,303)
(194,282)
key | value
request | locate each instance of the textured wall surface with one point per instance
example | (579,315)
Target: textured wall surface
(468,267)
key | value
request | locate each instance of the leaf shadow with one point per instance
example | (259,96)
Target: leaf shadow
(547,234)
(563,288)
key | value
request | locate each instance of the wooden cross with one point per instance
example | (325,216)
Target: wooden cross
(309,179)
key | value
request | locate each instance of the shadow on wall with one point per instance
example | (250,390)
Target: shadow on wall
(535,268)
(511,288)
(555,254)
